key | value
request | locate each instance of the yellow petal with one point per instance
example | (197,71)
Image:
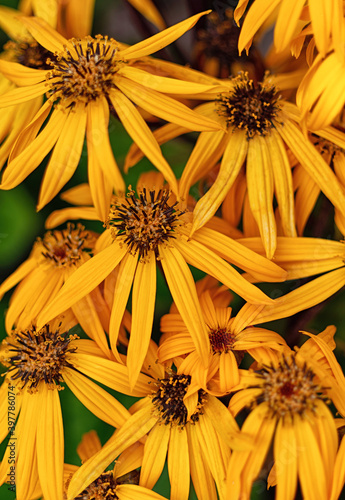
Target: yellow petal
(50,444)
(96,399)
(164,107)
(285,459)
(46,35)
(85,279)
(59,217)
(135,428)
(155,451)
(23,164)
(142,135)
(148,9)
(157,42)
(22,94)
(178,464)
(182,288)
(286,24)
(260,192)
(143,306)
(20,74)
(65,157)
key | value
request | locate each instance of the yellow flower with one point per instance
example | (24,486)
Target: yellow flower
(38,362)
(52,260)
(322,19)
(141,231)
(260,126)
(119,483)
(230,338)
(182,421)
(101,73)
(288,401)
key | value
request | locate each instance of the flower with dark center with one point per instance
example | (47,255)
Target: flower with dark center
(37,356)
(250,107)
(288,400)
(168,399)
(28,53)
(145,222)
(88,77)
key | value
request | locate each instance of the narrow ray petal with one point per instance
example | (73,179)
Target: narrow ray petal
(46,35)
(155,452)
(178,464)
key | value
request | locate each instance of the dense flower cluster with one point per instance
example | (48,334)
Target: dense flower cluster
(146,303)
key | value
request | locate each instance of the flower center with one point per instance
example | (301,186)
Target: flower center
(168,400)
(103,488)
(290,388)
(144,222)
(85,75)
(30,54)
(250,107)
(66,247)
(38,356)
(221,340)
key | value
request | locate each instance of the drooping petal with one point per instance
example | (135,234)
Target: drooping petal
(182,287)
(155,451)
(29,159)
(234,156)
(178,464)
(46,35)
(143,306)
(22,75)
(285,459)
(50,444)
(85,279)
(65,157)
(22,94)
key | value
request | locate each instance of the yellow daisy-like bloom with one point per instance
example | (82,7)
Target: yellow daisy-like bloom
(289,401)
(260,126)
(120,483)
(323,19)
(141,231)
(38,362)
(87,76)
(230,338)
(194,429)
(53,259)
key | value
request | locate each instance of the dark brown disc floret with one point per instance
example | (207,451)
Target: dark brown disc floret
(145,222)
(168,400)
(36,356)
(249,107)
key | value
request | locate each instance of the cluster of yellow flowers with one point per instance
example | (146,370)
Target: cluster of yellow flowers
(220,399)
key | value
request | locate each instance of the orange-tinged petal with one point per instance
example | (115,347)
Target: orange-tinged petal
(157,42)
(130,491)
(89,445)
(149,10)
(134,429)
(143,306)
(234,156)
(50,444)
(178,464)
(101,189)
(96,399)
(164,107)
(141,135)
(59,217)
(284,31)
(85,279)
(155,452)
(183,291)
(228,372)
